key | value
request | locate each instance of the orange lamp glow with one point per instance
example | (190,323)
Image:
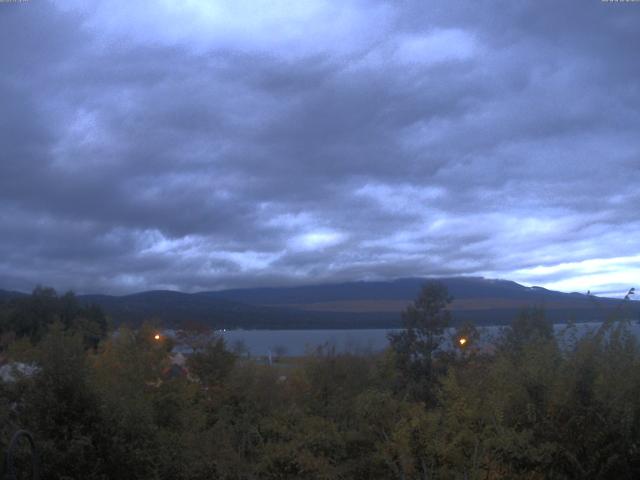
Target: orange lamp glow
(462,341)
(157,336)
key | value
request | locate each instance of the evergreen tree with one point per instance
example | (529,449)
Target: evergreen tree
(416,345)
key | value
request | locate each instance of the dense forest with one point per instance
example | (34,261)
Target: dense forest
(106,404)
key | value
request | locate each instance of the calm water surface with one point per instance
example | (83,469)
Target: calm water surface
(297,342)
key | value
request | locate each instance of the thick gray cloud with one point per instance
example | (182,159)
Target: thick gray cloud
(215,144)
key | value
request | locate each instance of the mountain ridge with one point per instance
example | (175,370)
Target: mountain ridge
(359,304)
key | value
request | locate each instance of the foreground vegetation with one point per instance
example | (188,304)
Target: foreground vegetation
(105,407)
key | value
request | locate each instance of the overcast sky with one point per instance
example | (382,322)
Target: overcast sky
(197,145)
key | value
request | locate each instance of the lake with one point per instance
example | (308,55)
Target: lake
(297,342)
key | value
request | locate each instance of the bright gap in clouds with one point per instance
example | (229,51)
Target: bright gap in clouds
(279,27)
(316,240)
(602,276)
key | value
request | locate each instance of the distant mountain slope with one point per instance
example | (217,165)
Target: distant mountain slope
(176,308)
(401,289)
(8,294)
(476,299)
(348,305)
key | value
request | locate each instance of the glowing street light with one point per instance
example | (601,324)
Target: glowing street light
(462,341)
(156,336)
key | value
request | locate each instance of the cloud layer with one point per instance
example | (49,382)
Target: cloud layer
(201,145)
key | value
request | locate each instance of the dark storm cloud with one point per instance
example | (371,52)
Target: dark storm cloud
(318,142)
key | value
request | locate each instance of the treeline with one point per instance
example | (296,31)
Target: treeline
(29,317)
(530,407)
